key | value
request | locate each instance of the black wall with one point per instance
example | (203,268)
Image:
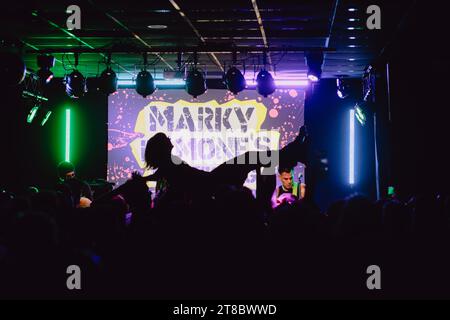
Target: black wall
(417,133)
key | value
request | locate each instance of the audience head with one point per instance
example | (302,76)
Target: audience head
(158,150)
(66,170)
(286,176)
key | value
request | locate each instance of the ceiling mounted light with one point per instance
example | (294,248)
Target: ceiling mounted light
(234,80)
(45,63)
(343,87)
(108,78)
(314,61)
(265,84)
(145,84)
(75,82)
(195,81)
(108,81)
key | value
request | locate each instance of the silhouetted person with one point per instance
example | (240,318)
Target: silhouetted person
(289,191)
(80,190)
(184,178)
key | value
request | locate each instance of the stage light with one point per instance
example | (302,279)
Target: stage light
(265,84)
(108,81)
(48,113)
(32,114)
(39,114)
(312,77)
(195,83)
(75,84)
(67,153)
(369,84)
(234,80)
(314,61)
(45,76)
(145,85)
(343,88)
(360,115)
(351,173)
(12,69)
(45,63)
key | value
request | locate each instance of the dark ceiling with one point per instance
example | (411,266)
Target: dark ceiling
(115,24)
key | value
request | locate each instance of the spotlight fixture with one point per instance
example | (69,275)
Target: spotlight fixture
(108,81)
(369,84)
(314,61)
(45,63)
(234,80)
(265,84)
(195,81)
(343,87)
(108,78)
(145,85)
(75,82)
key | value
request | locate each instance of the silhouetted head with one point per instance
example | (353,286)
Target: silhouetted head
(158,150)
(66,170)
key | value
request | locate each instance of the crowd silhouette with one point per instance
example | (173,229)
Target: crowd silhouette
(225,244)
